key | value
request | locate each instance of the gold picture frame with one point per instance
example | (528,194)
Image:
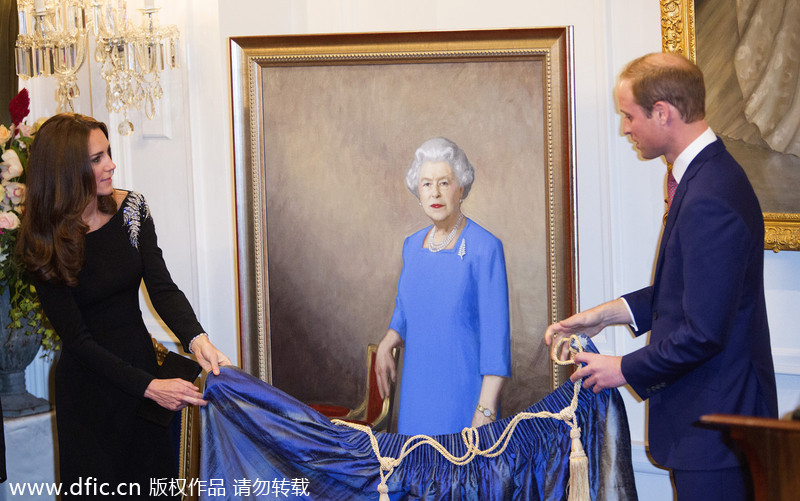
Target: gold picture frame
(325,127)
(678,30)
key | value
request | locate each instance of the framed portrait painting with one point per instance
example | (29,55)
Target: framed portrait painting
(325,128)
(750,60)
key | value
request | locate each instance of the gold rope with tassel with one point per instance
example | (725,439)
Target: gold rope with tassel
(578,486)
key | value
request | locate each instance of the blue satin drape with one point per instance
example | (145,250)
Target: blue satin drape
(260,443)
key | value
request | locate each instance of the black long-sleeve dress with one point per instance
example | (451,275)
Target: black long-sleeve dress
(108,358)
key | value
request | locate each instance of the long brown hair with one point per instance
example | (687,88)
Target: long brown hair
(60,185)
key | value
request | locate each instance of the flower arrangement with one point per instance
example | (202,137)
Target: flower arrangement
(15,141)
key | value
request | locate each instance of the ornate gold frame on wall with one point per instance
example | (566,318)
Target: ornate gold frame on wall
(781,230)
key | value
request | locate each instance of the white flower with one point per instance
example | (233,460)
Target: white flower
(15,192)
(8,221)
(11,166)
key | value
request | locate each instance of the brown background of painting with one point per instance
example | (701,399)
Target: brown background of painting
(338,141)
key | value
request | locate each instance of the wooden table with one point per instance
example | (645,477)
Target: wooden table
(772,449)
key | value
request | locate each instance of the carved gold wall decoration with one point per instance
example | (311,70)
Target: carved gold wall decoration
(677,27)
(781,231)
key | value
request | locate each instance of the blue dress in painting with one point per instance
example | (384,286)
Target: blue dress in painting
(452,314)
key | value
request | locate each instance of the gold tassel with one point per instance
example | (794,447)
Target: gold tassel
(384,490)
(387,467)
(578,486)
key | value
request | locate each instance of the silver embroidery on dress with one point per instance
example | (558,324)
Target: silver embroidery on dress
(134,213)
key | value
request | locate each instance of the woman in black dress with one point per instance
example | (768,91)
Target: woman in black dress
(87,247)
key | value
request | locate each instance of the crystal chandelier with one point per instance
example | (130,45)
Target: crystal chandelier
(54,40)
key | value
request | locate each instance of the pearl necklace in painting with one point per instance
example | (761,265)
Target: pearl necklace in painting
(434,247)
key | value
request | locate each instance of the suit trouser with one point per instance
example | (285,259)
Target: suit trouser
(729,484)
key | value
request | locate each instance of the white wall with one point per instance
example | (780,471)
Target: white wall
(188,177)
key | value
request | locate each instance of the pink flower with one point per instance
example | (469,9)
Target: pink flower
(8,221)
(25,130)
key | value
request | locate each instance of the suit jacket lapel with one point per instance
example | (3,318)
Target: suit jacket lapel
(694,167)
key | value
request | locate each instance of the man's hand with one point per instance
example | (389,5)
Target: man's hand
(600,371)
(588,322)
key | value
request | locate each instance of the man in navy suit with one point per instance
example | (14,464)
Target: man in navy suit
(709,349)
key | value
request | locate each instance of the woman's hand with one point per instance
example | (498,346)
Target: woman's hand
(478,419)
(174,394)
(385,369)
(488,399)
(208,356)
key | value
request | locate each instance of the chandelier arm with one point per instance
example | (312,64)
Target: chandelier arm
(53,40)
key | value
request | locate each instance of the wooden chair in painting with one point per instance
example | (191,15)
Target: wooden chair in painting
(373,410)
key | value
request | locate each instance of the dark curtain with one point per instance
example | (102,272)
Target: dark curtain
(9,25)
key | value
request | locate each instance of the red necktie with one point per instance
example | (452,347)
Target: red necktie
(672,185)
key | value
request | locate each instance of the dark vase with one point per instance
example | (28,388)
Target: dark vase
(18,349)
